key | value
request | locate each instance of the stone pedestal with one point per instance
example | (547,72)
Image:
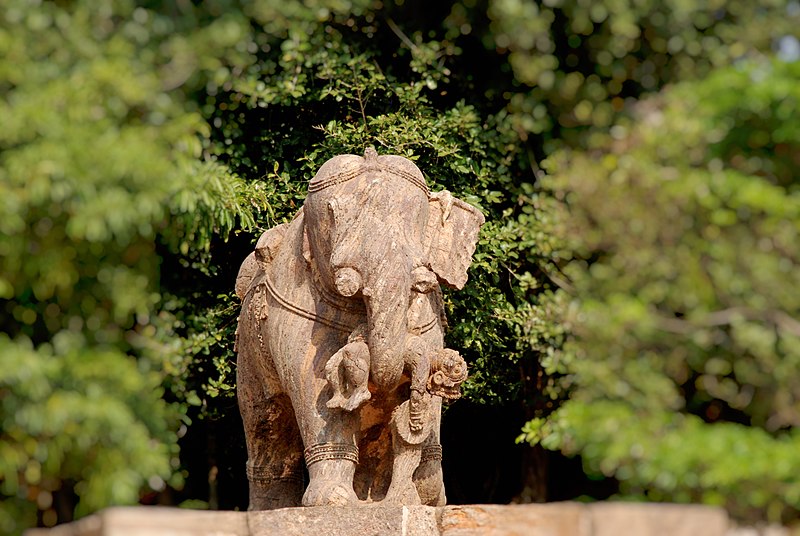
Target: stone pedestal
(553,519)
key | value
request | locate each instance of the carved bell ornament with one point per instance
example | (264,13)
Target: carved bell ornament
(341,360)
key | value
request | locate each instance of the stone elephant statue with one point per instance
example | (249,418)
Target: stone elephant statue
(341,360)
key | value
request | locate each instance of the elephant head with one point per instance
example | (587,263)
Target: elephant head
(374,232)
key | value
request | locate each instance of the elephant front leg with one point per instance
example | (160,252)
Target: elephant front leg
(406,460)
(409,432)
(417,466)
(274,468)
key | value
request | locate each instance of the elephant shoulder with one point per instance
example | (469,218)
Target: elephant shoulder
(266,248)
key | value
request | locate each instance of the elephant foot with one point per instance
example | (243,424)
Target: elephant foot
(274,486)
(405,495)
(428,476)
(432,495)
(331,467)
(329,493)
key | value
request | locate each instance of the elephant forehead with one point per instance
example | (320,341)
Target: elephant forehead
(344,163)
(401,166)
(383,203)
(343,168)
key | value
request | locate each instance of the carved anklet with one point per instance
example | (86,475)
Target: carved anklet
(331,451)
(431,453)
(265,473)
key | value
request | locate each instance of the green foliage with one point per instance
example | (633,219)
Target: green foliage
(88,415)
(685,271)
(584,60)
(669,456)
(102,162)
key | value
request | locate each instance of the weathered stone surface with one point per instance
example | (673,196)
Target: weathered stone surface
(764,530)
(347,521)
(341,359)
(153,521)
(597,519)
(617,518)
(557,519)
(553,519)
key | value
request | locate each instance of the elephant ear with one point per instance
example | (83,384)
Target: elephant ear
(258,260)
(450,237)
(268,245)
(247,272)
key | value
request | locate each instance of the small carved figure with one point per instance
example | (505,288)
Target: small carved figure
(341,359)
(348,372)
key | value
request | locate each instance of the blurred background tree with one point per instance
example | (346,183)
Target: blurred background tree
(103,173)
(682,236)
(146,144)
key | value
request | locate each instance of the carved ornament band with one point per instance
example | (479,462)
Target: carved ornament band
(331,451)
(431,453)
(339,178)
(264,473)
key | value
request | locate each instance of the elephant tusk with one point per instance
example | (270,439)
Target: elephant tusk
(348,281)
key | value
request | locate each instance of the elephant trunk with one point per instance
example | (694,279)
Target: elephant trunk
(387,336)
(380,266)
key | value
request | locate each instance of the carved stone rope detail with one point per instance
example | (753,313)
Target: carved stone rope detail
(330,451)
(296,309)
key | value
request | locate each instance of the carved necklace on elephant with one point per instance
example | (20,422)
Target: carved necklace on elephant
(311,315)
(300,311)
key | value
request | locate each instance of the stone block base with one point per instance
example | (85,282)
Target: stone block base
(552,519)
